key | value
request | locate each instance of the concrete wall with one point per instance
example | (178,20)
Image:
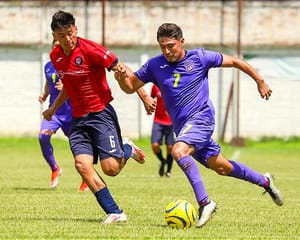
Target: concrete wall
(22,81)
(136,22)
(265,24)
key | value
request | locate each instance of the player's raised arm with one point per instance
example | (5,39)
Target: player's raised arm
(263,88)
(128,82)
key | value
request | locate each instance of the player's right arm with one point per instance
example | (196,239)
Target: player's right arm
(60,99)
(45,94)
(127,80)
(263,87)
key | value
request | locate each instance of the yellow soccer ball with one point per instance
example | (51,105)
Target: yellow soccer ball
(180,214)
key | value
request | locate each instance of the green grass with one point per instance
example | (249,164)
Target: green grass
(30,210)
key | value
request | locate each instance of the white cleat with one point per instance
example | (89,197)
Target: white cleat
(137,153)
(115,217)
(273,191)
(205,213)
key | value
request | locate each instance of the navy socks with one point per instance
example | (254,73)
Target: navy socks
(107,202)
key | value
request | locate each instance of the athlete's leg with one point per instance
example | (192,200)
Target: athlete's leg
(235,169)
(156,142)
(47,129)
(169,159)
(84,165)
(169,135)
(238,170)
(181,153)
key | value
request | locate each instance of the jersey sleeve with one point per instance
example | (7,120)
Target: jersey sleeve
(99,55)
(144,73)
(210,59)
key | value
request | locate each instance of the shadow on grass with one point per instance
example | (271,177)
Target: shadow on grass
(58,219)
(33,189)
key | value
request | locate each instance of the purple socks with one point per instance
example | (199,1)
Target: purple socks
(243,172)
(47,150)
(191,170)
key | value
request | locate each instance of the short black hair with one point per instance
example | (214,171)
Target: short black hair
(62,19)
(169,30)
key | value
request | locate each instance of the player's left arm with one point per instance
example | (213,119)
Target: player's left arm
(148,101)
(263,88)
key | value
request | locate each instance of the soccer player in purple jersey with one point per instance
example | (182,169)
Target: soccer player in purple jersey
(182,76)
(61,119)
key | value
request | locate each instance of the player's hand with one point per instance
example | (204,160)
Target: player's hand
(150,104)
(47,114)
(42,98)
(264,90)
(59,85)
(120,71)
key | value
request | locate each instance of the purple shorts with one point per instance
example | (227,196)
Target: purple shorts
(97,134)
(162,132)
(198,132)
(57,121)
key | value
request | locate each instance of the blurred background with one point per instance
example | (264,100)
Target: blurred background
(265,33)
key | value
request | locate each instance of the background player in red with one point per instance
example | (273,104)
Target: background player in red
(61,119)
(162,131)
(95,132)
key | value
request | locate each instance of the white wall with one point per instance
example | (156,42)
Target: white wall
(22,80)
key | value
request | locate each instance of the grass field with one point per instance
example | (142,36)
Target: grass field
(30,210)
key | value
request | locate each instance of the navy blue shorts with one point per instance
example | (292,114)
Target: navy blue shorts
(162,132)
(97,134)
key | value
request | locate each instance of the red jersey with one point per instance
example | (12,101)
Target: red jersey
(161,116)
(83,74)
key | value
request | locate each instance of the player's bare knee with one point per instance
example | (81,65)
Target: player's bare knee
(44,137)
(111,171)
(177,154)
(221,170)
(80,167)
(46,132)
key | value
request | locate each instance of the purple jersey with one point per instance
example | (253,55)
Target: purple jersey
(52,78)
(184,84)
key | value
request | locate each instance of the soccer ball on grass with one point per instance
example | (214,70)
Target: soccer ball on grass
(180,214)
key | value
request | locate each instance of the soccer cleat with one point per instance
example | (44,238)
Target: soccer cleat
(205,213)
(54,177)
(115,217)
(137,153)
(168,174)
(83,187)
(273,191)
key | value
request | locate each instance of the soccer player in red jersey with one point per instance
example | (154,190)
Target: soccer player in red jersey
(95,133)
(162,130)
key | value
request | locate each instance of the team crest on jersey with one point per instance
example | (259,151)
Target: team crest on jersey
(189,66)
(78,60)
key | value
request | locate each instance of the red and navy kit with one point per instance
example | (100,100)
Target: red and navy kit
(83,74)
(161,116)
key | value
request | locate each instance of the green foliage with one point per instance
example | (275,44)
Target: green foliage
(30,210)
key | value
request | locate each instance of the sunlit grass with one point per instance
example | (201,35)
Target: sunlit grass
(29,209)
